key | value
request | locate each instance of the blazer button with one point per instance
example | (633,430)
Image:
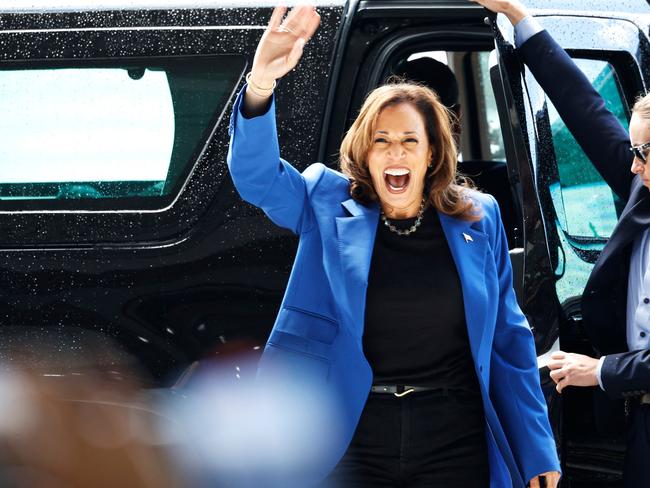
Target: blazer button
(642,334)
(646,300)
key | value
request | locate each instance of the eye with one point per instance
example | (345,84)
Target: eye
(411,140)
(380,140)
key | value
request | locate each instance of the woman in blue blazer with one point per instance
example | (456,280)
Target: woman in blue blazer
(411,327)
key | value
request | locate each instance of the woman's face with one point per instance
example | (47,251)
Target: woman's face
(398,160)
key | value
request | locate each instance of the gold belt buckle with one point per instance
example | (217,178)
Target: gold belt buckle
(404,393)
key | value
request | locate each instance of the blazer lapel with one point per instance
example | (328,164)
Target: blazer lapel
(356,236)
(469,248)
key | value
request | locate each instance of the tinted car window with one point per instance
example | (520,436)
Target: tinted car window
(583,201)
(585,206)
(105,132)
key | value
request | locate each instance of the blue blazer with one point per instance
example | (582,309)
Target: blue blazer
(319,328)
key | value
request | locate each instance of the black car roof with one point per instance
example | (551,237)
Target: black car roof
(20,6)
(605,6)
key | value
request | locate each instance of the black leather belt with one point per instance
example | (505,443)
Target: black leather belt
(400,390)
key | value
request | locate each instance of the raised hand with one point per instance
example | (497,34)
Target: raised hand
(513,9)
(281,45)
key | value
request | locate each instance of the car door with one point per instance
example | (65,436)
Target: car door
(569,211)
(124,246)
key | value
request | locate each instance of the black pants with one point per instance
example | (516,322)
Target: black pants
(636,471)
(429,439)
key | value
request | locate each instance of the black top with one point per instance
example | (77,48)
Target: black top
(415,330)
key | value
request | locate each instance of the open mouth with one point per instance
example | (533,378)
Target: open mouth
(397,179)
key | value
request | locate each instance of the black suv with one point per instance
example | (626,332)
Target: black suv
(124,245)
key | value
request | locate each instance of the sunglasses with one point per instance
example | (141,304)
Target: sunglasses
(641,152)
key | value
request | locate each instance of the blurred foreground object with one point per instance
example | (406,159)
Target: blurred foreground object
(219,429)
(232,431)
(78,431)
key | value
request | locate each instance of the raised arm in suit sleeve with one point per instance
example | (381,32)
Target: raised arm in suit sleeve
(518,400)
(626,374)
(597,130)
(261,176)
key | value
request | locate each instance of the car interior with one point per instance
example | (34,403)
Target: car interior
(461,79)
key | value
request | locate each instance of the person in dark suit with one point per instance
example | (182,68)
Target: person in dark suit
(616,299)
(411,327)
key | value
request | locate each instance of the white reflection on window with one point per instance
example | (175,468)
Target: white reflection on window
(587,201)
(76,125)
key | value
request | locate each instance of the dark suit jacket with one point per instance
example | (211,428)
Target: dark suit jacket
(606,143)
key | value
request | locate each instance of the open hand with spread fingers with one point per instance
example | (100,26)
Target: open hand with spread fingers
(281,47)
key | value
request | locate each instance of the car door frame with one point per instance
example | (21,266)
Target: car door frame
(598,463)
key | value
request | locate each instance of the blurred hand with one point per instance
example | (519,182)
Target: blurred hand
(552,479)
(569,369)
(281,45)
(513,9)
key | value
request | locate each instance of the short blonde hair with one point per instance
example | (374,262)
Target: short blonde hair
(642,107)
(447,190)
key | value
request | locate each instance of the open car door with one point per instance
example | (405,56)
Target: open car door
(565,202)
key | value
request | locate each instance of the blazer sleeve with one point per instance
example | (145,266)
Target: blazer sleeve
(261,176)
(583,110)
(515,387)
(626,374)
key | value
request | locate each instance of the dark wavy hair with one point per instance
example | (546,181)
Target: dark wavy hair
(447,190)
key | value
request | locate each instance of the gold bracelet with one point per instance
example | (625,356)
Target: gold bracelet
(258,90)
